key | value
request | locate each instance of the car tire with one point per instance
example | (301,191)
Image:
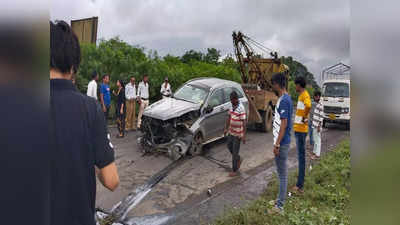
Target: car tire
(196,147)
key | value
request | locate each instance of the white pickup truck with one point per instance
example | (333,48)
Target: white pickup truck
(336,96)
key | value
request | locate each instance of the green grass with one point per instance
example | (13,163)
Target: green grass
(326,199)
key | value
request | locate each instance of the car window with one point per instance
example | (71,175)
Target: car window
(191,93)
(228,91)
(217,98)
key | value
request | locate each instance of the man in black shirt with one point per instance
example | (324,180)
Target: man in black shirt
(79,137)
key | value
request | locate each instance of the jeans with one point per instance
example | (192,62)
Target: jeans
(106,113)
(310,134)
(317,143)
(282,170)
(234,147)
(301,155)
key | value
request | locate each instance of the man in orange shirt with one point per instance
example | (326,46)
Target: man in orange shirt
(300,127)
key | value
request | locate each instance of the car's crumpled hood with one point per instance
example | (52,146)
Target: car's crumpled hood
(169,108)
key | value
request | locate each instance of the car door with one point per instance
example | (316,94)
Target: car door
(214,122)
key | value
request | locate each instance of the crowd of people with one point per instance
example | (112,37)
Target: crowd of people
(127,96)
(82,145)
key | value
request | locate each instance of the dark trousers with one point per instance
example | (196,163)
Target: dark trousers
(120,120)
(106,113)
(234,147)
(301,155)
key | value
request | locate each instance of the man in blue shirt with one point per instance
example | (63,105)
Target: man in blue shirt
(105,96)
(281,132)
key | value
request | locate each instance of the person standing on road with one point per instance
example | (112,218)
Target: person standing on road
(235,127)
(120,108)
(300,128)
(143,97)
(105,96)
(282,127)
(130,94)
(317,125)
(92,86)
(166,89)
(79,141)
(310,126)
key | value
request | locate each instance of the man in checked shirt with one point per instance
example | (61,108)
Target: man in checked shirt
(236,129)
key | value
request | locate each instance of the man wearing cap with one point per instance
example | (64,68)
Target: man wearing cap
(166,89)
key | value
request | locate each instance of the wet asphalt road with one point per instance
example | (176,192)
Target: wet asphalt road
(181,198)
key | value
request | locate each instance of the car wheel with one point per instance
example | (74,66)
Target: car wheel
(197,145)
(174,153)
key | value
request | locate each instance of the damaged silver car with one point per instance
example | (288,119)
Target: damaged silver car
(195,115)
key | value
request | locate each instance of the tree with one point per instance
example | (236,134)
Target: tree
(192,55)
(212,55)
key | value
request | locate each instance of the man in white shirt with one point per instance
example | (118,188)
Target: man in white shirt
(130,95)
(143,97)
(92,86)
(166,89)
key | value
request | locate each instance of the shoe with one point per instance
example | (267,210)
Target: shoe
(314,157)
(275,210)
(297,190)
(233,174)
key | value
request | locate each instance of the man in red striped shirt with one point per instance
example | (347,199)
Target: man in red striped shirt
(236,129)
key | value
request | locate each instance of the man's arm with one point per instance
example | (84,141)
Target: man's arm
(244,131)
(104,153)
(108,176)
(227,124)
(307,105)
(102,101)
(282,130)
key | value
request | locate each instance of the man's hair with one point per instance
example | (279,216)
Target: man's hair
(234,95)
(317,93)
(94,74)
(105,75)
(300,81)
(65,52)
(280,79)
(145,75)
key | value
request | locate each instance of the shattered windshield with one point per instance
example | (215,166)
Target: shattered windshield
(191,93)
(336,90)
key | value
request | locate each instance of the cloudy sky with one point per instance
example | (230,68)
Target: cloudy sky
(316,33)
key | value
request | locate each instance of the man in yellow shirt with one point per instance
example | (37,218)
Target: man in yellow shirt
(300,127)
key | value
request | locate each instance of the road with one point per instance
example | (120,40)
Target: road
(181,198)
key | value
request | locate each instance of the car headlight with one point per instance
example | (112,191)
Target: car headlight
(345,110)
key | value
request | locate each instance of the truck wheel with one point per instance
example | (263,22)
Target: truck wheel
(267,120)
(197,145)
(266,125)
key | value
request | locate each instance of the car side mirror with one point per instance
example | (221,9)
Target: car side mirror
(208,109)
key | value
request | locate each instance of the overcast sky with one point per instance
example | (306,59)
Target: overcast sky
(316,33)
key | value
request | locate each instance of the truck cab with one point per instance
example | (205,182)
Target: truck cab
(336,101)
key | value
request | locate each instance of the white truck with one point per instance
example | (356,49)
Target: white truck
(336,95)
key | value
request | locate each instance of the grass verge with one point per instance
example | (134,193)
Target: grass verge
(326,199)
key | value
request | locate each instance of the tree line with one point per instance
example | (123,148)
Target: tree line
(121,61)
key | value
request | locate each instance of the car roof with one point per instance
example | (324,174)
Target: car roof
(211,82)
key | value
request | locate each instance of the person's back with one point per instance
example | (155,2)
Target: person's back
(78,121)
(79,139)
